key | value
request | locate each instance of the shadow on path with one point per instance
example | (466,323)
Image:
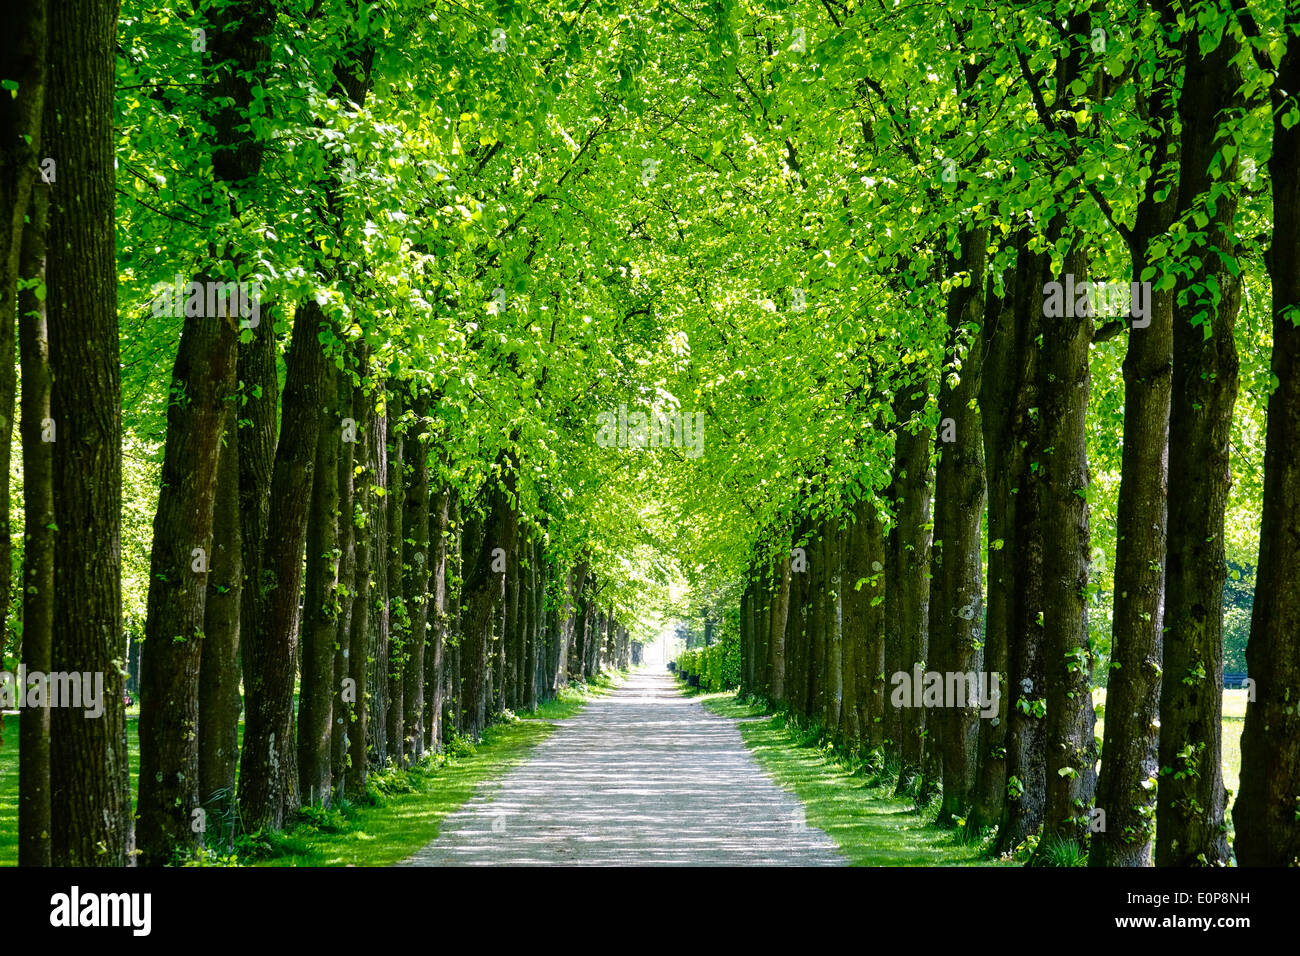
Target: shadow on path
(642,777)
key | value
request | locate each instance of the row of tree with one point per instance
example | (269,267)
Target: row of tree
(319,566)
(878,597)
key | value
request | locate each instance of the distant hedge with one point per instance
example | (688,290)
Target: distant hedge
(711,668)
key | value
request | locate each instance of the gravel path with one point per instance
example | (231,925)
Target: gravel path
(642,777)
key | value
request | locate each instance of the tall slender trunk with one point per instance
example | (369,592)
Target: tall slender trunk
(399,610)
(415,527)
(997,402)
(1190,825)
(871,657)
(832,551)
(1129,767)
(379,617)
(483,594)
(856,574)
(351,435)
(1063,388)
(439,532)
(362,599)
(320,607)
(818,582)
(219,700)
(1268,830)
(533,625)
(907,577)
(776,631)
(1026,781)
(35,825)
(89,796)
(956,600)
(23,62)
(796,623)
(265,783)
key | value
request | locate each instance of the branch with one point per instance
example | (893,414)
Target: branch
(1072,150)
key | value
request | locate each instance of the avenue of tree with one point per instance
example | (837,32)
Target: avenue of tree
(378,510)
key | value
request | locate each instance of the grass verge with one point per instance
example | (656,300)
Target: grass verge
(403,808)
(870,825)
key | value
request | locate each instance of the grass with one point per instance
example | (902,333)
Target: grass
(9,780)
(403,809)
(870,825)
(1234,722)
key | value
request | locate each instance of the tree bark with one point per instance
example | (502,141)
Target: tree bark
(265,783)
(399,609)
(1268,831)
(35,825)
(908,575)
(320,607)
(379,619)
(439,532)
(415,526)
(89,796)
(776,630)
(362,598)
(23,60)
(1026,780)
(832,551)
(1190,826)
(1063,389)
(997,403)
(956,603)
(348,440)
(219,700)
(1126,791)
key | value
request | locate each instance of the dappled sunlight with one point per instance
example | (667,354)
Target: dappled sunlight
(643,777)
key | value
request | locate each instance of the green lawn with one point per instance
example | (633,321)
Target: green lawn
(407,806)
(871,826)
(1234,722)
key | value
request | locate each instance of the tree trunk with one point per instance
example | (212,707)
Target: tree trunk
(1129,769)
(89,796)
(956,604)
(871,657)
(1190,826)
(1268,830)
(439,531)
(266,785)
(997,403)
(1063,389)
(376,699)
(1026,781)
(484,575)
(35,824)
(351,435)
(362,599)
(219,700)
(909,573)
(796,623)
(776,630)
(854,637)
(832,551)
(399,598)
(818,582)
(23,61)
(320,607)
(415,526)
